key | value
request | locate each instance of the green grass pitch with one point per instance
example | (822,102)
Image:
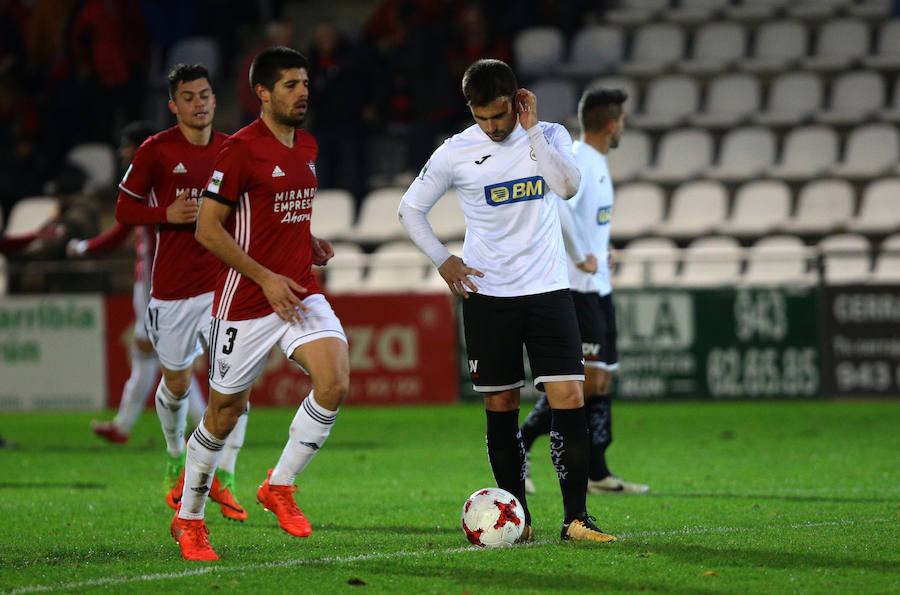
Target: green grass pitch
(749,497)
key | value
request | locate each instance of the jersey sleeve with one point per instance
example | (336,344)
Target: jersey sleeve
(230,174)
(432,182)
(552,146)
(138,179)
(108,240)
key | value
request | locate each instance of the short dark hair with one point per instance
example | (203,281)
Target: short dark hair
(185,73)
(487,80)
(598,106)
(268,64)
(137,132)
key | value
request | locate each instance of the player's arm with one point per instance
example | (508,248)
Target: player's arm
(110,239)
(430,185)
(555,160)
(573,240)
(131,205)
(280,291)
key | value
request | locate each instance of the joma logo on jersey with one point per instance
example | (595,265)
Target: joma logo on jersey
(604,215)
(514,191)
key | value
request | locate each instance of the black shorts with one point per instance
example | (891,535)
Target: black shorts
(597,322)
(496,328)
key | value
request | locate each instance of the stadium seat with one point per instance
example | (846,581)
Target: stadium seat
(711,262)
(822,206)
(887,263)
(846,259)
(808,151)
(872,150)
(447,219)
(878,212)
(557,99)
(875,10)
(717,46)
(816,9)
(855,96)
(634,12)
(378,220)
(395,267)
(629,159)
(595,49)
(98,161)
(433,282)
(4,276)
(682,154)
(197,50)
(694,11)
(344,272)
(637,208)
(646,262)
(623,83)
(669,100)
(697,208)
(538,51)
(754,10)
(745,153)
(30,214)
(778,260)
(839,43)
(887,53)
(760,207)
(892,112)
(655,47)
(779,45)
(333,213)
(730,99)
(793,98)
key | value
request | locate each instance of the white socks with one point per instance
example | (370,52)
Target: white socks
(203,452)
(310,428)
(144,369)
(172,412)
(234,442)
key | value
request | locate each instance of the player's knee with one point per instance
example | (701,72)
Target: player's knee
(331,393)
(178,386)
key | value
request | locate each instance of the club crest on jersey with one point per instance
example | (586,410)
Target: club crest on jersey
(215,182)
(312,166)
(514,191)
(604,215)
(223,367)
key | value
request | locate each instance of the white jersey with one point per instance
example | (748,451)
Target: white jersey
(512,223)
(591,210)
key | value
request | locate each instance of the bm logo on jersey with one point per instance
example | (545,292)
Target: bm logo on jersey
(604,215)
(514,191)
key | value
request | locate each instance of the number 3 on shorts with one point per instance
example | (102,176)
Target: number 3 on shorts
(232,334)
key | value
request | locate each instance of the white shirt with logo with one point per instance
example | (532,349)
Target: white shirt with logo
(591,210)
(512,223)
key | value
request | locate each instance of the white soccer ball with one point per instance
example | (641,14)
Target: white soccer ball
(492,518)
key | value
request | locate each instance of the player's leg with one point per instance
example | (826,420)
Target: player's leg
(196,402)
(553,342)
(493,332)
(536,424)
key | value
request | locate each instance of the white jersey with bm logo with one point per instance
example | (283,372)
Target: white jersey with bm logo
(512,224)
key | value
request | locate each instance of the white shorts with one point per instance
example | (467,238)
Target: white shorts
(139,300)
(239,348)
(179,329)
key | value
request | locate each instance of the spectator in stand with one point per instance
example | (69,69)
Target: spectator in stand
(278,33)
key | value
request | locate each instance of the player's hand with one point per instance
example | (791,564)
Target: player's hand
(282,293)
(610,259)
(322,251)
(590,264)
(183,210)
(75,248)
(456,274)
(526,108)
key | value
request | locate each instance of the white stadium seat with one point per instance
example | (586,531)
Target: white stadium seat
(816,9)
(633,12)
(872,150)
(447,219)
(697,208)
(595,49)
(694,11)
(655,47)
(887,263)
(98,161)
(754,10)
(778,260)
(838,44)
(333,212)
(846,259)
(875,10)
(822,206)
(538,51)
(760,207)
(892,112)
(629,159)
(344,272)
(887,53)
(717,46)
(682,154)
(669,100)
(711,262)
(779,44)
(637,208)
(30,214)
(793,98)
(855,96)
(880,208)
(557,99)
(731,98)
(622,83)
(395,267)
(808,151)
(378,220)
(745,153)
(647,262)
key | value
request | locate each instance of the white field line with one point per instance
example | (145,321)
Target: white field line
(210,569)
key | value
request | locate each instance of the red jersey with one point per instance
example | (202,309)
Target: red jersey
(271,188)
(164,166)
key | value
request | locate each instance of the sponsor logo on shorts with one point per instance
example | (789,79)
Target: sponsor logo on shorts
(514,191)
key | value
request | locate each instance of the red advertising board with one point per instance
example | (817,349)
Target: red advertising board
(403,349)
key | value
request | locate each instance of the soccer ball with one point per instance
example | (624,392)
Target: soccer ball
(492,518)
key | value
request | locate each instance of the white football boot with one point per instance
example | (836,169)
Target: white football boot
(613,485)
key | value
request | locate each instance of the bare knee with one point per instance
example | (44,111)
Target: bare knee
(144,345)
(222,415)
(330,392)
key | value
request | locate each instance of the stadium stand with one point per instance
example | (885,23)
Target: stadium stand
(745,153)
(808,151)
(697,208)
(730,100)
(345,271)
(631,157)
(669,100)
(655,48)
(779,45)
(29,214)
(717,47)
(838,44)
(760,207)
(333,213)
(395,267)
(793,98)
(872,150)
(822,206)
(595,48)
(878,212)
(682,154)
(647,262)
(887,263)
(778,260)
(710,262)
(855,96)
(538,50)
(887,52)
(846,258)
(377,220)
(637,209)
(98,161)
